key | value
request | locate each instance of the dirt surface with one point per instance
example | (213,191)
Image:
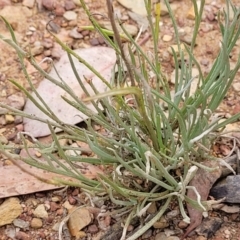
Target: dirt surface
(29,20)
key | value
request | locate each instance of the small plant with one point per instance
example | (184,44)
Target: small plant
(145,143)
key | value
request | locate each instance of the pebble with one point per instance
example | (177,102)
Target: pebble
(9,118)
(147,234)
(28,3)
(167,38)
(22,236)
(79,219)
(175,48)
(77,2)
(48,4)
(59,11)
(20,223)
(70,15)
(162,236)
(172,214)
(10,231)
(36,223)
(54,206)
(69,5)
(16,100)
(40,212)
(93,228)
(162,223)
(47,43)
(75,34)
(10,209)
(37,50)
(94,41)
(182,224)
(72,200)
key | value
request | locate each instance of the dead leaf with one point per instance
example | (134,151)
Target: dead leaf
(203,182)
(14,181)
(100,58)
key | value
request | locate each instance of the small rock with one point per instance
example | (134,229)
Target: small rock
(16,100)
(37,50)
(70,5)
(36,223)
(229,188)
(182,224)
(79,219)
(94,41)
(70,15)
(49,4)
(75,34)
(147,234)
(20,223)
(28,3)
(72,200)
(77,2)
(162,236)
(47,43)
(10,231)
(172,214)
(59,10)
(10,209)
(161,223)
(22,236)
(56,227)
(40,211)
(92,228)
(135,6)
(167,38)
(209,226)
(175,48)
(153,208)
(210,16)
(54,206)
(201,238)
(9,118)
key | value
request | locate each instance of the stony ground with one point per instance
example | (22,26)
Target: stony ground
(42,212)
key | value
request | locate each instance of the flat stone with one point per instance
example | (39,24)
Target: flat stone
(10,209)
(229,188)
(70,15)
(79,219)
(209,226)
(75,34)
(40,212)
(20,223)
(137,6)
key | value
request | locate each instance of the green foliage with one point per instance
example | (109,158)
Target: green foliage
(145,142)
